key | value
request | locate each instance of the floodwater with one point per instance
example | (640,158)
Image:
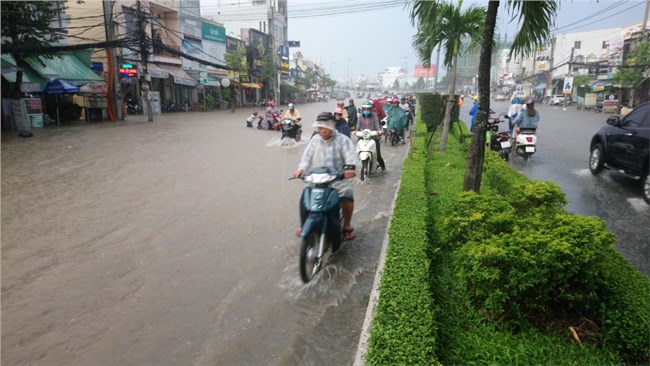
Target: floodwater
(172,243)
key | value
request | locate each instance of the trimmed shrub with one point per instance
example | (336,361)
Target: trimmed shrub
(431,110)
(625,310)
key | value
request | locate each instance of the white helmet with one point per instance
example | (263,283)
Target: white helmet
(291,105)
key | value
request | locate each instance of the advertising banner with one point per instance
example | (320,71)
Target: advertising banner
(422,71)
(568,85)
(195,49)
(258,48)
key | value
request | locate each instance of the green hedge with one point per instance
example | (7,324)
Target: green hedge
(432,108)
(458,265)
(403,330)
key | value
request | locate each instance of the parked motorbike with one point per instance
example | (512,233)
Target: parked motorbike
(290,129)
(169,106)
(367,152)
(322,221)
(498,141)
(131,106)
(599,107)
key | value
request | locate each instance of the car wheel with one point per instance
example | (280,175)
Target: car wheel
(596,159)
(646,187)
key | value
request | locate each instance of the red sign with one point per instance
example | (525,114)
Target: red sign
(421,71)
(128,72)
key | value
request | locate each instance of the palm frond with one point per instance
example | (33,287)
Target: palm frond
(536,19)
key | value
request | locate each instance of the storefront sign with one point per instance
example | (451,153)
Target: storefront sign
(213,33)
(128,71)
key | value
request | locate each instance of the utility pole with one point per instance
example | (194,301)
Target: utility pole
(568,74)
(347,78)
(143,54)
(435,79)
(549,73)
(114,94)
(645,20)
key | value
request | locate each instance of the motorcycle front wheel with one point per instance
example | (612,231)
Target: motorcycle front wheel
(365,169)
(298,136)
(310,262)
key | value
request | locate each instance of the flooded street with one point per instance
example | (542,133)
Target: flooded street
(172,243)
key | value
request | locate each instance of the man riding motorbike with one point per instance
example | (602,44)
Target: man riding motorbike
(333,150)
(293,113)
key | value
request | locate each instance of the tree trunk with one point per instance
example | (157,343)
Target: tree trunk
(476,152)
(20,63)
(450,102)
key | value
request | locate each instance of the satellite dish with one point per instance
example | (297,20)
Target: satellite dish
(225,82)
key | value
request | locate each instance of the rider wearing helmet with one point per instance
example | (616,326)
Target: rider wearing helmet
(341,104)
(369,120)
(341,123)
(396,118)
(292,113)
(527,119)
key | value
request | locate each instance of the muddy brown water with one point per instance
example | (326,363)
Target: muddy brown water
(172,243)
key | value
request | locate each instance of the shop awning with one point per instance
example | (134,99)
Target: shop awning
(66,67)
(32,82)
(251,85)
(180,76)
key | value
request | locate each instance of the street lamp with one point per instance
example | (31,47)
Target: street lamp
(347,78)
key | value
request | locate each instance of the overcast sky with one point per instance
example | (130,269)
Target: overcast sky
(367,40)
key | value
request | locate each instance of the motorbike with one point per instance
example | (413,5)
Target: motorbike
(498,141)
(322,221)
(291,129)
(367,152)
(169,106)
(599,107)
(525,143)
(131,106)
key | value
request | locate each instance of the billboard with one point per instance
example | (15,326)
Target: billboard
(424,72)
(258,48)
(214,44)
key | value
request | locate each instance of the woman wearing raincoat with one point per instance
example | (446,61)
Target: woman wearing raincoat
(396,118)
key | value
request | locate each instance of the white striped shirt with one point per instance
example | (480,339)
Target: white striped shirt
(333,153)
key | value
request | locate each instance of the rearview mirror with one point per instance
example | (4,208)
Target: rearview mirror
(614,120)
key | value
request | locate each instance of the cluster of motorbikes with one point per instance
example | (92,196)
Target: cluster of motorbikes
(501,142)
(321,215)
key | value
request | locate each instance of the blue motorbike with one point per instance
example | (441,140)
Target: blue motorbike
(322,221)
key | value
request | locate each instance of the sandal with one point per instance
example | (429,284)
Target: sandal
(349,234)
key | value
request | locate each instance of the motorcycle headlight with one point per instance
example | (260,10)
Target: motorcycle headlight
(366,134)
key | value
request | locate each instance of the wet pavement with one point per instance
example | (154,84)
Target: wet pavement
(563,156)
(172,243)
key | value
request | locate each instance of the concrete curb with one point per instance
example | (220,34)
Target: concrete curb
(362,348)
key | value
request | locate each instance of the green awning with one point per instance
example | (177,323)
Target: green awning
(32,82)
(66,67)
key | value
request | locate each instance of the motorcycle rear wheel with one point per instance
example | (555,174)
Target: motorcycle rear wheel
(310,262)
(393,139)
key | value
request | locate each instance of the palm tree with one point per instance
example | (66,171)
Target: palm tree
(536,19)
(448,26)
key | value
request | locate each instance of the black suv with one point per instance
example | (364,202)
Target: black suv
(623,146)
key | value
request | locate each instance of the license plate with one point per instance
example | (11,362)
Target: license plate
(505,144)
(530,149)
